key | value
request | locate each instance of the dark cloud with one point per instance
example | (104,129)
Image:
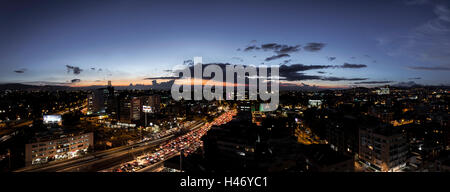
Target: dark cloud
(280,49)
(296,76)
(93,68)
(354,66)
(313,47)
(75,70)
(277,48)
(321,72)
(415,78)
(75,80)
(157,78)
(20,70)
(405,84)
(294,72)
(288,49)
(331,58)
(443,68)
(286,62)
(342,79)
(373,82)
(301,67)
(250,48)
(44,83)
(277,57)
(188,62)
(270,46)
(238,49)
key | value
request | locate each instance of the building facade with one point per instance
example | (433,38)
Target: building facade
(46,149)
(383,148)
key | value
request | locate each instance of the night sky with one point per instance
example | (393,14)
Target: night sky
(324,43)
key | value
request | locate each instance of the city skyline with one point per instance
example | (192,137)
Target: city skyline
(351,43)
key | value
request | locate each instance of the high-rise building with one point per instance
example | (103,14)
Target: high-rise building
(383,148)
(136,107)
(154,101)
(98,100)
(130,109)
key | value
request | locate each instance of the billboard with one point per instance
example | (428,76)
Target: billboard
(147,109)
(49,119)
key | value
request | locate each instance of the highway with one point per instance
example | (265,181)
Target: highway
(102,159)
(181,145)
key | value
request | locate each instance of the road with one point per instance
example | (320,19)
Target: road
(184,144)
(102,159)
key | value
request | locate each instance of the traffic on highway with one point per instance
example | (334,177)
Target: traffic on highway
(186,144)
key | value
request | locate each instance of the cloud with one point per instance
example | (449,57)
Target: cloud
(288,49)
(277,57)
(313,47)
(20,70)
(296,76)
(156,78)
(415,78)
(75,70)
(342,79)
(295,72)
(280,49)
(428,42)
(301,67)
(93,68)
(436,68)
(75,80)
(275,47)
(188,62)
(373,82)
(321,72)
(286,62)
(331,58)
(46,83)
(354,66)
(406,84)
(250,48)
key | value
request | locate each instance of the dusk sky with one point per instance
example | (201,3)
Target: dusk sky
(362,43)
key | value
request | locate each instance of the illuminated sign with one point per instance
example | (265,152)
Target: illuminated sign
(147,109)
(48,119)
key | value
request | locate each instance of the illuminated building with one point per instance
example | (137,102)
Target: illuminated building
(57,147)
(383,148)
(314,103)
(130,109)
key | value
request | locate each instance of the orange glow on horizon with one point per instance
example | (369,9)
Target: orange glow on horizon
(127,82)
